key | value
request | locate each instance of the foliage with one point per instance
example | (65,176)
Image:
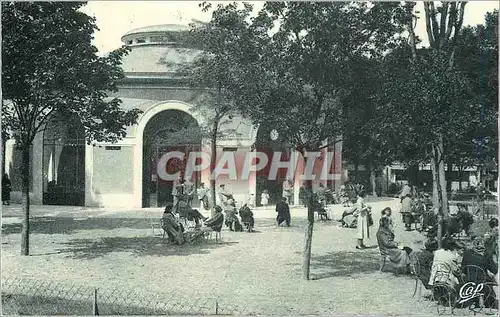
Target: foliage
(50,67)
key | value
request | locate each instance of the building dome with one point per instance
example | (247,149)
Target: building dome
(157,51)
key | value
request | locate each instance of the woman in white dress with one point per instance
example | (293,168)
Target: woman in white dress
(363,226)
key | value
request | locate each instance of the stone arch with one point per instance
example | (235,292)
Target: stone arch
(139,137)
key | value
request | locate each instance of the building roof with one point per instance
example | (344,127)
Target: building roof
(158,28)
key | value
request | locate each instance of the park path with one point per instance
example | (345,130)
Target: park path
(259,272)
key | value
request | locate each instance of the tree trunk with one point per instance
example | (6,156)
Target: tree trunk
(412,174)
(306,265)
(460,177)
(25,245)
(449,172)
(4,143)
(213,159)
(356,173)
(440,231)
(373,180)
(442,186)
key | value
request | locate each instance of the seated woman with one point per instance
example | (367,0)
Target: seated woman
(215,223)
(318,207)
(247,217)
(172,227)
(232,221)
(446,268)
(491,246)
(349,217)
(389,248)
(425,258)
(475,255)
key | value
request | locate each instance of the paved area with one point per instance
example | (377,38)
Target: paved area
(117,248)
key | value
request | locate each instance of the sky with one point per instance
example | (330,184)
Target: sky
(115,18)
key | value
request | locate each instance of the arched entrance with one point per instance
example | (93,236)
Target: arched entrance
(64,163)
(167,131)
(269,144)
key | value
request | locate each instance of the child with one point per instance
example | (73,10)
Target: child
(264,198)
(251,200)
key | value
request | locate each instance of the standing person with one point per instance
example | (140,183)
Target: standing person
(264,198)
(288,190)
(177,191)
(189,190)
(321,193)
(283,211)
(344,196)
(363,227)
(203,193)
(302,195)
(6,189)
(251,200)
(406,206)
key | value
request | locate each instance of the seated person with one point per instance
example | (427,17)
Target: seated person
(283,211)
(194,214)
(389,248)
(231,216)
(247,217)
(445,267)
(474,255)
(215,223)
(491,246)
(425,259)
(172,227)
(350,217)
(318,207)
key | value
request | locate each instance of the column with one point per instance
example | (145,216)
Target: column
(89,171)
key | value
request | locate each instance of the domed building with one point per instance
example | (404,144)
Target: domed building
(67,171)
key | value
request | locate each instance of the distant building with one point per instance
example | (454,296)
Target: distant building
(67,171)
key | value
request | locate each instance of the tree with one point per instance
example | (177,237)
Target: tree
(296,78)
(430,97)
(477,57)
(50,68)
(213,73)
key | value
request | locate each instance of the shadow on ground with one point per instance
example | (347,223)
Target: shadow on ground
(345,263)
(65,225)
(138,246)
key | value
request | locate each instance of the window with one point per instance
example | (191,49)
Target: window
(112,148)
(129,42)
(141,40)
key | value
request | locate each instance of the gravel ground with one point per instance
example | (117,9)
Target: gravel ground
(258,272)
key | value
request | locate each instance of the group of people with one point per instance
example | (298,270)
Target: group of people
(448,266)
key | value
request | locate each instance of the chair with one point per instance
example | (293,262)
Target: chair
(442,292)
(154,223)
(473,273)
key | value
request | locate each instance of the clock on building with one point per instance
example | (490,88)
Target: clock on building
(274,134)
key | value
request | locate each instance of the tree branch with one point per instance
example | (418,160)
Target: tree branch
(442,26)
(428,24)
